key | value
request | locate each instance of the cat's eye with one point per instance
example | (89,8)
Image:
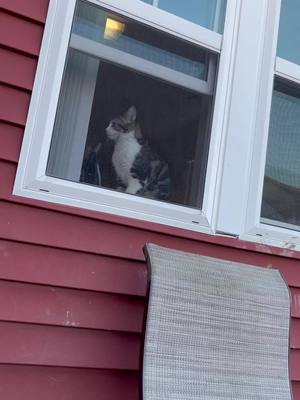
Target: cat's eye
(118,126)
(121,127)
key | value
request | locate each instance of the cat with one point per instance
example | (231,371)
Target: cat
(139,170)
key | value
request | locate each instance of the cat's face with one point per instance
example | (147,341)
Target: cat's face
(122,125)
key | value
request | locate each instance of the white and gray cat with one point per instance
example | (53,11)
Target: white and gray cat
(139,170)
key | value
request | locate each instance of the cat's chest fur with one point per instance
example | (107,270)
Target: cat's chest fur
(125,152)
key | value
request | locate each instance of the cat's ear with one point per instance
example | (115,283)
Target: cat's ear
(130,114)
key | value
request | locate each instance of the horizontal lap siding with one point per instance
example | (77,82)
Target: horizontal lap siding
(14,105)
(48,383)
(66,307)
(35,10)
(40,226)
(46,265)
(19,34)
(10,145)
(296,390)
(72,283)
(17,69)
(67,347)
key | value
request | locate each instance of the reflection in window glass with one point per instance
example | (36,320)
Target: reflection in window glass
(122,129)
(207,13)
(281,195)
(138,40)
(289,31)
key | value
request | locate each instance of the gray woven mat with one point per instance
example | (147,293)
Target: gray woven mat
(215,330)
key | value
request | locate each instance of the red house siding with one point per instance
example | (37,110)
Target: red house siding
(72,282)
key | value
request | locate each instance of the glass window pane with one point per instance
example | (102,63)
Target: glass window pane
(122,129)
(281,195)
(207,13)
(289,31)
(130,37)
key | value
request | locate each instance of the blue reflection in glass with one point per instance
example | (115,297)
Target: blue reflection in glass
(141,41)
(281,195)
(289,31)
(207,13)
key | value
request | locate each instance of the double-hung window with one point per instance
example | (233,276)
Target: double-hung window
(184,113)
(127,108)
(272,208)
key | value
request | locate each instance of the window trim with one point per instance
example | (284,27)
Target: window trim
(234,179)
(31,180)
(170,23)
(243,170)
(252,226)
(89,46)
(287,70)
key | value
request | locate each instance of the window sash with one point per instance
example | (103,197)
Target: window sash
(215,21)
(244,162)
(251,226)
(164,21)
(102,51)
(235,169)
(287,70)
(31,180)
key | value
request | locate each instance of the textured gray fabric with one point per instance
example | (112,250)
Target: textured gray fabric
(215,330)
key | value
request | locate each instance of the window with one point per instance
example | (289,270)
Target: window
(134,110)
(272,207)
(173,112)
(124,117)
(281,192)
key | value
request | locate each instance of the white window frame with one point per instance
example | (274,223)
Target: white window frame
(239,132)
(247,129)
(31,180)
(246,169)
